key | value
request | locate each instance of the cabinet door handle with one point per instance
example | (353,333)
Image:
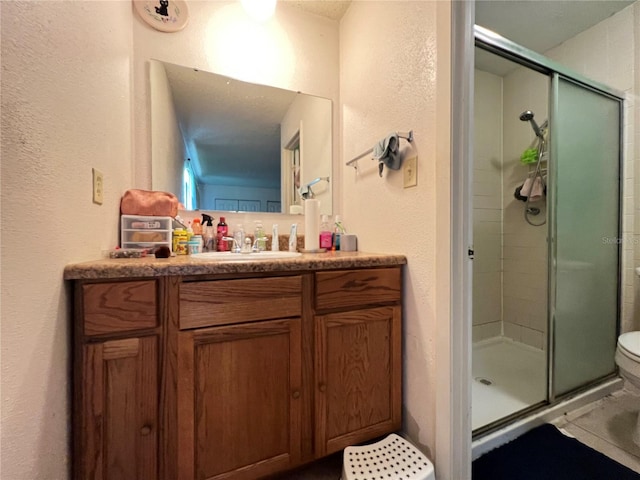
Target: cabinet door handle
(296,394)
(322,387)
(146,430)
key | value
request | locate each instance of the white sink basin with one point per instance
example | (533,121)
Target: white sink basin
(247,257)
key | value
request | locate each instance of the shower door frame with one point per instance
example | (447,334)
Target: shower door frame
(489,41)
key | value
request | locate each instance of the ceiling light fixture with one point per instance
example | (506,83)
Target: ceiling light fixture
(260,10)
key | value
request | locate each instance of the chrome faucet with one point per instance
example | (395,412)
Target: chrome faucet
(259,244)
(235,248)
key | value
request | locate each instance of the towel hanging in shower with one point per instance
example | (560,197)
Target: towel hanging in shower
(532,188)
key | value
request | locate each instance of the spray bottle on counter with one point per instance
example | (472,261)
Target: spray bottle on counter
(208,233)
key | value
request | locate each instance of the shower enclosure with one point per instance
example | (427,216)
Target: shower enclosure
(546,230)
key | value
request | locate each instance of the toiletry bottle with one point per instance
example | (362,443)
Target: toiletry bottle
(326,236)
(209,234)
(260,237)
(293,238)
(196,226)
(179,234)
(338,230)
(275,241)
(223,231)
(238,236)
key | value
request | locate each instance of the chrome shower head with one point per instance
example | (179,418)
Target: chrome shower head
(527,116)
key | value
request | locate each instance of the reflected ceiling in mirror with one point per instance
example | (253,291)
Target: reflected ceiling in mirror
(223,144)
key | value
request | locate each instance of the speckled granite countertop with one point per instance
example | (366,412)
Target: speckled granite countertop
(185,265)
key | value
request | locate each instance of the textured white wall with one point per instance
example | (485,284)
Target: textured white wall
(394,77)
(487,206)
(65,108)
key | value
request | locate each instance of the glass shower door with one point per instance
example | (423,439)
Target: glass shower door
(585,142)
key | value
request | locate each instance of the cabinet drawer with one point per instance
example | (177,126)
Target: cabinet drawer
(119,307)
(355,288)
(222,302)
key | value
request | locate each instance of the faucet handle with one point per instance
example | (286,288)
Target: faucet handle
(246,248)
(236,247)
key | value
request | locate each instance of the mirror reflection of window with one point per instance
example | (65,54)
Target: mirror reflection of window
(188,190)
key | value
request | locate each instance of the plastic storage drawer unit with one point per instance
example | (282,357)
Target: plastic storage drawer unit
(144,232)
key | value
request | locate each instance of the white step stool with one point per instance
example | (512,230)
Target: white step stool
(392,458)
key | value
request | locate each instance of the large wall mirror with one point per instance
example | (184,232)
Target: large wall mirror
(223,144)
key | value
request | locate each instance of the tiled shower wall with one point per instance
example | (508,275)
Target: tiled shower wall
(524,248)
(487,207)
(510,266)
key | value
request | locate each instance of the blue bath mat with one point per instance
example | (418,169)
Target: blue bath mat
(545,453)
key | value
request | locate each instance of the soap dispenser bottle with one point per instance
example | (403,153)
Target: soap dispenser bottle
(260,237)
(338,229)
(326,236)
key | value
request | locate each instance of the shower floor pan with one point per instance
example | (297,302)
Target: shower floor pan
(508,377)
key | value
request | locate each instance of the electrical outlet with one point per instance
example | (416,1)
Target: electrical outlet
(98,186)
(410,169)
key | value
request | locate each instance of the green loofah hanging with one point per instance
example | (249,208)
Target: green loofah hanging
(530,155)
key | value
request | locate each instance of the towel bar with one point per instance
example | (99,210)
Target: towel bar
(406,135)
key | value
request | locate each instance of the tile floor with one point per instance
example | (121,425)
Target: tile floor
(607,426)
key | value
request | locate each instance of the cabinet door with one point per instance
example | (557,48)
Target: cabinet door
(239,394)
(116,432)
(358,376)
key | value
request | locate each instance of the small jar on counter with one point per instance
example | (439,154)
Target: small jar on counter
(182,247)
(194,246)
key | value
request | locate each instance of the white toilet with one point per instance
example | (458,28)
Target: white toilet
(628,360)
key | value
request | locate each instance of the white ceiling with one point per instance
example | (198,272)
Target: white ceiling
(333,9)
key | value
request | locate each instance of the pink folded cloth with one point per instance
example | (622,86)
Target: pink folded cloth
(536,190)
(532,189)
(526,187)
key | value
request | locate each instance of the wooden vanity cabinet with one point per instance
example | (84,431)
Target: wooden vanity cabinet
(357,356)
(220,377)
(239,400)
(239,385)
(116,381)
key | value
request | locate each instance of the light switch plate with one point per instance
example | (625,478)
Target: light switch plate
(98,186)
(410,169)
